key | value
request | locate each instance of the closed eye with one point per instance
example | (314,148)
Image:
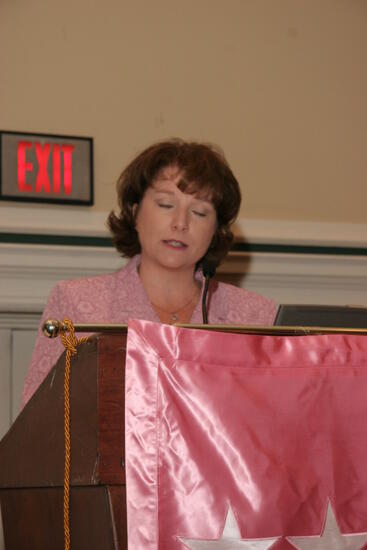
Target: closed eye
(200,214)
(165,205)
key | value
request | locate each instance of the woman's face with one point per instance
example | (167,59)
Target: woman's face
(175,229)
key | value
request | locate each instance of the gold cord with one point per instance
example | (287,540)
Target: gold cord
(71,343)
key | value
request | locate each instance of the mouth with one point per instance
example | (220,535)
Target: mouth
(175,244)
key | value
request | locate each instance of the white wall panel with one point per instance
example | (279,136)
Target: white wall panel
(22,346)
(5,379)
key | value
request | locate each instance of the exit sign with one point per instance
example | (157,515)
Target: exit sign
(46,168)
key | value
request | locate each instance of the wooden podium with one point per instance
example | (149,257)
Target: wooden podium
(32,456)
(32,452)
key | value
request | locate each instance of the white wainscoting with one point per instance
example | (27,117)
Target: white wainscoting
(56,220)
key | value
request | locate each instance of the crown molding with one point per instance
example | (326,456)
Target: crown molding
(28,272)
(301,233)
(85,222)
(47,220)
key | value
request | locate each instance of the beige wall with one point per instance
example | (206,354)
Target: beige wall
(281,85)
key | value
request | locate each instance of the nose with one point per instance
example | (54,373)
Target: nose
(179,220)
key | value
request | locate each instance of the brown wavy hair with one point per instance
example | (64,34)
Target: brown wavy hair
(205,172)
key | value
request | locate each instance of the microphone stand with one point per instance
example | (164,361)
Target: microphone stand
(208,272)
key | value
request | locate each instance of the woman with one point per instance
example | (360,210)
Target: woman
(177,201)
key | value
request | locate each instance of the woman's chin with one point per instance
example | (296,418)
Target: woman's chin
(171,261)
(178,264)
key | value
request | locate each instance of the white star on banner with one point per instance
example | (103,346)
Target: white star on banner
(330,538)
(230,539)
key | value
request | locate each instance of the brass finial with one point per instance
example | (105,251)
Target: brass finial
(52,328)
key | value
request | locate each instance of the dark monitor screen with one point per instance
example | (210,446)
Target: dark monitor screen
(321,316)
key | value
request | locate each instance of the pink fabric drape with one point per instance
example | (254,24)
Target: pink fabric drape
(244,441)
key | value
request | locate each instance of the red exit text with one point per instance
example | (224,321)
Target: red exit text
(60,154)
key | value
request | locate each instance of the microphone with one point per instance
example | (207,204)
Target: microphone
(209,268)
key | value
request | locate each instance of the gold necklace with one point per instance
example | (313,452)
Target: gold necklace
(174,315)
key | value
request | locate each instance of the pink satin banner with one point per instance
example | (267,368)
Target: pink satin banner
(245,441)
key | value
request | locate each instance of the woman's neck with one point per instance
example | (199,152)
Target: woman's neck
(169,289)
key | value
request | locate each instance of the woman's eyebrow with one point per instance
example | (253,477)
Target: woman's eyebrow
(165,191)
(203,199)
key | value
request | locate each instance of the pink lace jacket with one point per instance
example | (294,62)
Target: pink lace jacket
(119,296)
